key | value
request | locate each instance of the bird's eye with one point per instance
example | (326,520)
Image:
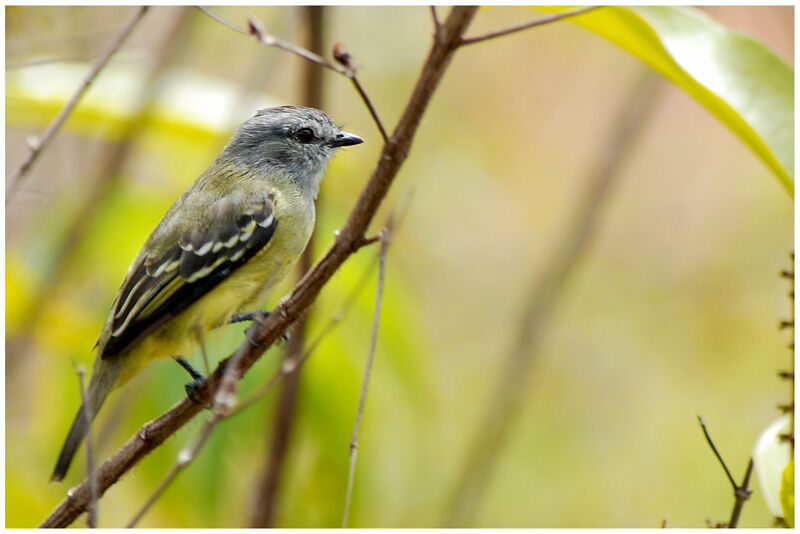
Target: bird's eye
(304,135)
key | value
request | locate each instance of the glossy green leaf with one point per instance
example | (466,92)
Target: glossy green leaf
(787,494)
(736,77)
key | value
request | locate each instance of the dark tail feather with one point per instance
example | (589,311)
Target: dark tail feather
(103,378)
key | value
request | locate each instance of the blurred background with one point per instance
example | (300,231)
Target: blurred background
(671,311)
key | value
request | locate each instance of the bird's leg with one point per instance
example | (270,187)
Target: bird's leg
(252,316)
(198,379)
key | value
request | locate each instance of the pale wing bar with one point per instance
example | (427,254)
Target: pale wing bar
(162,287)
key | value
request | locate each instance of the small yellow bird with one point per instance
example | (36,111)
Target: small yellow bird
(218,251)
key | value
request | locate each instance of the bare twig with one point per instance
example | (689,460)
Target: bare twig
(740,493)
(92,509)
(716,452)
(393,154)
(43,141)
(345,58)
(435,18)
(532,24)
(281,430)
(385,238)
(502,411)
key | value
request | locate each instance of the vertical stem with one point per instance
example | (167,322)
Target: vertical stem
(267,493)
(742,493)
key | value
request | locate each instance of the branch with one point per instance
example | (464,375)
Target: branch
(716,453)
(532,24)
(543,298)
(385,237)
(224,400)
(740,493)
(393,154)
(435,18)
(41,143)
(345,58)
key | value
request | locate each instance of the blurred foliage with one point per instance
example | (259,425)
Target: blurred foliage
(672,312)
(787,494)
(736,77)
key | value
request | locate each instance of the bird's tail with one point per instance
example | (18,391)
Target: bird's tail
(104,376)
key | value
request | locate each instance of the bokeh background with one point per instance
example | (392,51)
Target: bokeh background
(671,312)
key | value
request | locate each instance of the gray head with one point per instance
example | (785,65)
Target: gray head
(288,141)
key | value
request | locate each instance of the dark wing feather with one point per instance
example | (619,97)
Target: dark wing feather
(161,287)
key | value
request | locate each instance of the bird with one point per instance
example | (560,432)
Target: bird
(216,254)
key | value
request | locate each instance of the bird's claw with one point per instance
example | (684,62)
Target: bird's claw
(251,316)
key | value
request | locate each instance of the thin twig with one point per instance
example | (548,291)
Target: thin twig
(435,18)
(92,509)
(256,29)
(185,456)
(740,493)
(716,453)
(532,24)
(219,18)
(43,141)
(385,238)
(393,155)
(372,111)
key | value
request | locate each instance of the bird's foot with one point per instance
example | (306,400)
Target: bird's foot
(197,382)
(251,316)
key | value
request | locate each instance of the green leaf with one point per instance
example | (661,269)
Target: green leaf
(787,494)
(737,78)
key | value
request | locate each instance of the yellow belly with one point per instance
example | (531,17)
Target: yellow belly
(244,290)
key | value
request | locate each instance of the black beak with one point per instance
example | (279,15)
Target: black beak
(346,139)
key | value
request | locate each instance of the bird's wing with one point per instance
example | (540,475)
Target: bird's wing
(190,264)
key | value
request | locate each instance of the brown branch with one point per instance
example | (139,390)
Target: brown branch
(281,431)
(740,493)
(342,55)
(716,453)
(224,401)
(385,238)
(502,411)
(42,142)
(392,156)
(532,24)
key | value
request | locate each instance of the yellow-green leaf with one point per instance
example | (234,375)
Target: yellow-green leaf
(741,81)
(787,494)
